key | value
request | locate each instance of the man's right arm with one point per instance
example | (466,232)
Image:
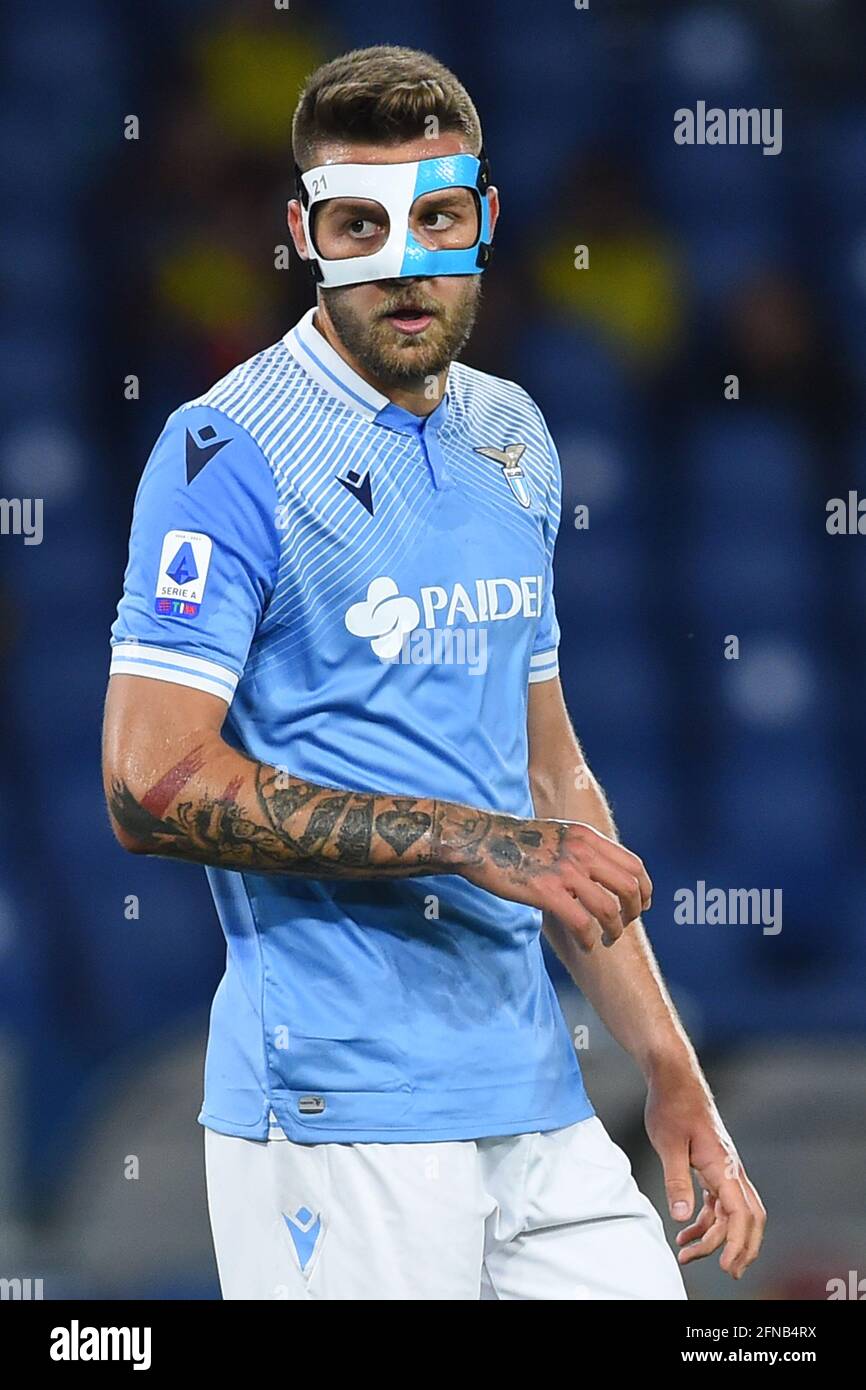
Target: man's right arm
(175,788)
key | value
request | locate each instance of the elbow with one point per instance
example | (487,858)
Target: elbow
(125,815)
(127,842)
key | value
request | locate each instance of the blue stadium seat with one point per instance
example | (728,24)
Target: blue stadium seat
(599,578)
(604,474)
(574,377)
(390,21)
(43,279)
(140,973)
(696,185)
(734,579)
(722,254)
(715,56)
(777,799)
(845,282)
(643,794)
(747,467)
(839,144)
(37,365)
(618,687)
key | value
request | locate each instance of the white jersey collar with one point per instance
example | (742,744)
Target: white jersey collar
(322,362)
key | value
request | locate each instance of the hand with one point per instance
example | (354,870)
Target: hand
(563,867)
(687,1132)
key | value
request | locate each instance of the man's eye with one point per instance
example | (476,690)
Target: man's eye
(438,221)
(362,227)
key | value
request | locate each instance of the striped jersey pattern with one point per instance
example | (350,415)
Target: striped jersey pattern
(370,594)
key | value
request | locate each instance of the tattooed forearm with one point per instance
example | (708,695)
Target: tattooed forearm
(208,830)
(478,837)
(350,828)
(269,821)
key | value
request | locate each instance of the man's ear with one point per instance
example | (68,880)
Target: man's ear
(493,202)
(296,228)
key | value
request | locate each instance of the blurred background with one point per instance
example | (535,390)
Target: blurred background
(137,270)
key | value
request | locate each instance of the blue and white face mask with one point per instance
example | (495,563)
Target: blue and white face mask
(385,196)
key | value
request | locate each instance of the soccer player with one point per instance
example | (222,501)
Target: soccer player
(334,683)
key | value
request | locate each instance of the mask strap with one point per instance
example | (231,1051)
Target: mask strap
(304,199)
(482,183)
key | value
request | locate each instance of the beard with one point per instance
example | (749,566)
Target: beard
(396,359)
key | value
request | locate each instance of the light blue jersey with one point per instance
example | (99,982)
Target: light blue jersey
(370,593)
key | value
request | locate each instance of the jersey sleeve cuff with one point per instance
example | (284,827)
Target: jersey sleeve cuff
(543,666)
(136,659)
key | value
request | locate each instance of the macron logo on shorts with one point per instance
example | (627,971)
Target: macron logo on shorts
(304,1228)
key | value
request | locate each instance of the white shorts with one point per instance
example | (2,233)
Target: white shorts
(553,1215)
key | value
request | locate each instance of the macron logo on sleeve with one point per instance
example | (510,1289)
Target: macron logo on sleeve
(197,455)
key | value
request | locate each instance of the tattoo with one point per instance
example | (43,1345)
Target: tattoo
(287,824)
(355,835)
(403,827)
(531,838)
(231,791)
(211,830)
(463,830)
(291,826)
(160,796)
(472,839)
(505,852)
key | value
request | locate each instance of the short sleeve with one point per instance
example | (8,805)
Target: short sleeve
(203,555)
(544,662)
